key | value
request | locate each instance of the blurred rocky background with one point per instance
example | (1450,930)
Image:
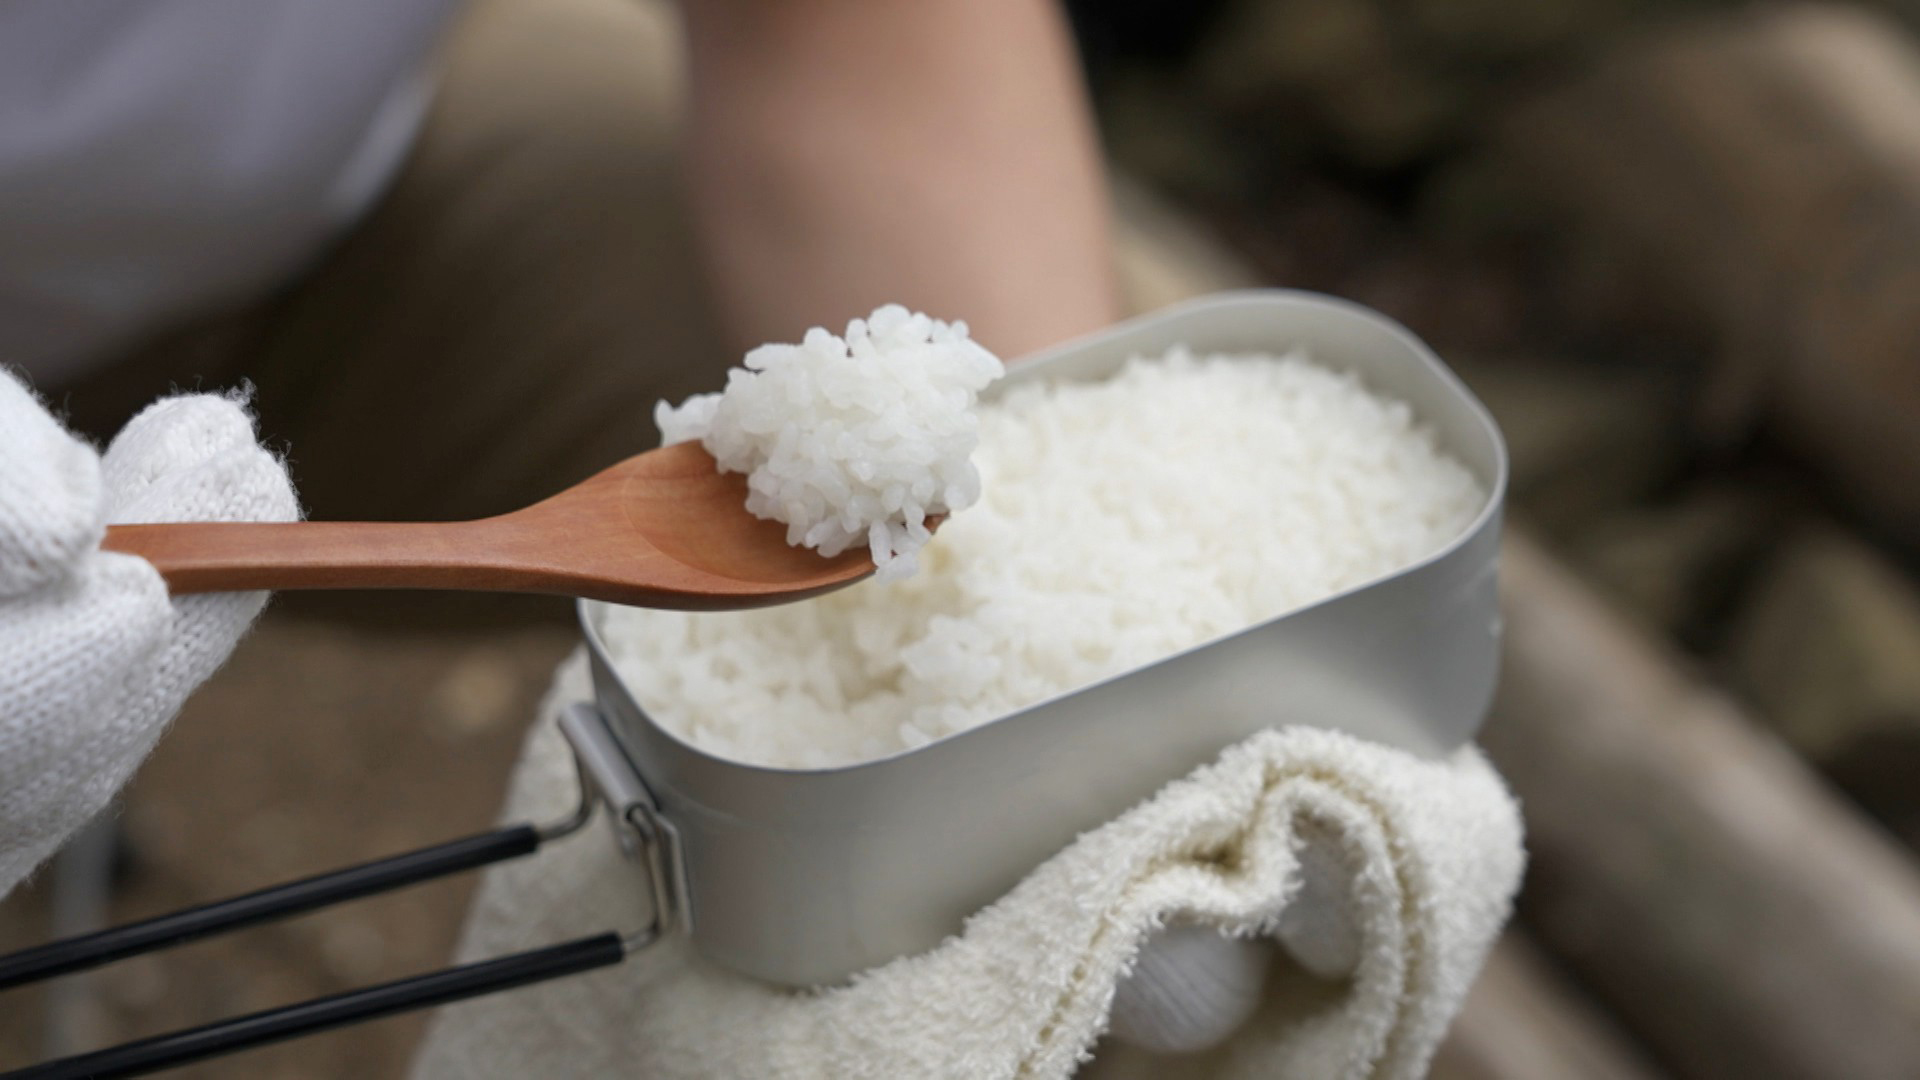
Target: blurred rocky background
(1675,247)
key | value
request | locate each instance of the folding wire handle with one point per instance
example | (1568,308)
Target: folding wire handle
(605,777)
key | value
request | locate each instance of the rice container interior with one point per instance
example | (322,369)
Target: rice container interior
(805,877)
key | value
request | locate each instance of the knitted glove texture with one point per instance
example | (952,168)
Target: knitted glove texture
(95,659)
(1192,987)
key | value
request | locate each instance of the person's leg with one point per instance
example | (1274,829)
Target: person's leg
(503,322)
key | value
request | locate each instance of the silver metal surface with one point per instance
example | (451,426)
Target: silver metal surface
(575,821)
(804,877)
(608,776)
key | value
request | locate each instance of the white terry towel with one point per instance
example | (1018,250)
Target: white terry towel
(1426,856)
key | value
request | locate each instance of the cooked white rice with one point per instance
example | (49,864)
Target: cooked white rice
(853,440)
(1121,521)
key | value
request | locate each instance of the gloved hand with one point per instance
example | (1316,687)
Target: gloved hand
(1191,986)
(94,657)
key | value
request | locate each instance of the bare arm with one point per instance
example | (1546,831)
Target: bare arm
(939,153)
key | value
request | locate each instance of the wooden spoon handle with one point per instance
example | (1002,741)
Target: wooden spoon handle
(199,557)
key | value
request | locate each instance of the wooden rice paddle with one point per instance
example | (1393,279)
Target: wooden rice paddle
(664,529)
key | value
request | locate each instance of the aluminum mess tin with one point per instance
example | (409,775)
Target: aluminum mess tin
(804,877)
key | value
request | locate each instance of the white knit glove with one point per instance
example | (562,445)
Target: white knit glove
(94,658)
(1192,987)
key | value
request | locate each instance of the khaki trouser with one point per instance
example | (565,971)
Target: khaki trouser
(502,322)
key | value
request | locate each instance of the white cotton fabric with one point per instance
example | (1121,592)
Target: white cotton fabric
(94,657)
(1191,987)
(1427,853)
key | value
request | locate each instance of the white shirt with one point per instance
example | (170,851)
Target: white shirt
(161,157)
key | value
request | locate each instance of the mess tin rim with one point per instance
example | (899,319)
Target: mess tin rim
(1491,507)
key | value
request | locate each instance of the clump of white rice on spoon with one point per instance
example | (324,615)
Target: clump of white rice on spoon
(851,440)
(1121,521)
